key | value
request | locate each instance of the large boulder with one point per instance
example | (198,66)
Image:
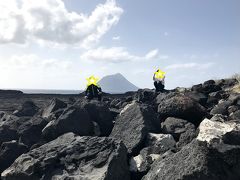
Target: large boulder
(164,96)
(197,88)
(9,151)
(197,96)
(73,119)
(159,143)
(176,127)
(54,106)
(186,137)
(221,108)
(145,95)
(99,113)
(181,106)
(27,129)
(30,130)
(194,161)
(227,83)
(235,115)
(157,146)
(210,86)
(27,109)
(213,130)
(213,155)
(207,87)
(72,157)
(133,125)
(8,128)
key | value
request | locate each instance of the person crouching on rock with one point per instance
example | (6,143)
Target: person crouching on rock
(93,89)
(159,80)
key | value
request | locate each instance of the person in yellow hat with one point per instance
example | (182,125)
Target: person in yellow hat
(93,89)
(159,80)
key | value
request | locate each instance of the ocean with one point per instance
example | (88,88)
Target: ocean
(49,91)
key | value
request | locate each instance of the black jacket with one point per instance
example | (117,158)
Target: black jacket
(93,90)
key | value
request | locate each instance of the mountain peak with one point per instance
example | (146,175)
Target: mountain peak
(116,83)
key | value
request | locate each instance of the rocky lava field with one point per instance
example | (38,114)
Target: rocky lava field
(181,134)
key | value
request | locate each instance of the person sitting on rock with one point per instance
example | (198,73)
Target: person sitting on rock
(93,89)
(159,80)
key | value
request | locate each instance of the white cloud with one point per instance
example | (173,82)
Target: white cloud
(49,21)
(116,38)
(31,62)
(190,65)
(116,55)
(152,54)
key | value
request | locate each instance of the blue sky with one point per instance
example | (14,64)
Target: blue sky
(56,44)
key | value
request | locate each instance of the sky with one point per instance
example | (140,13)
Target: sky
(57,44)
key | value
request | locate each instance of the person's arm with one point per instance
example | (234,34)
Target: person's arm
(163,80)
(154,77)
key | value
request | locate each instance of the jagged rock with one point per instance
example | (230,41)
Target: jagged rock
(221,108)
(74,120)
(141,164)
(182,107)
(181,89)
(213,155)
(196,161)
(186,137)
(2,114)
(226,83)
(176,127)
(54,106)
(115,103)
(219,95)
(27,129)
(30,130)
(211,102)
(207,87)
(213,131)
(197,88)
(197,96)
(219,117)
(234,98)
(133,125)
(72,157)
(145,95)
(28,109)
(235,115)
(159,143)
(8,130)
(232,109)
(71,100)
(9,151)
(114,112)
(210,86)
(99,113)
(164,96)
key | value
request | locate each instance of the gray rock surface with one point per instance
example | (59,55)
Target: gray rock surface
(99,113)
(181,106)
(72,157)
(26,129)
(28,109)
(9,151)
(133,125)
(176,126)
(54,106)
(73,119)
